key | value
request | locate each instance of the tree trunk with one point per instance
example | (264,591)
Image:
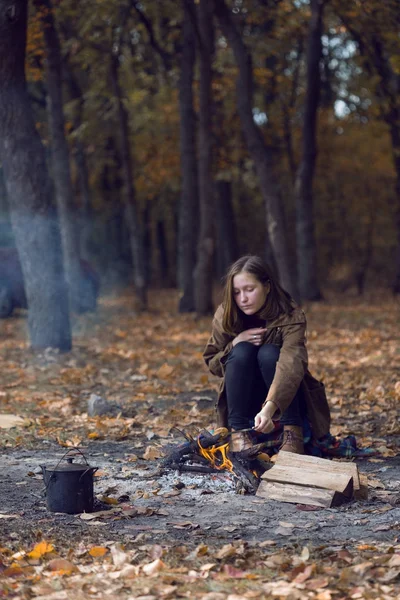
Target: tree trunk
(226,238)
(371,43)
(287,111)
(307,270)
(60,157)
(259,152)
(135,230)
(189,195)
(163,262)
(29,190)
(393,121)
(205,250)
(86,209)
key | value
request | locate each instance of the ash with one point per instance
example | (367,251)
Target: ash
(211,482)
(137,483)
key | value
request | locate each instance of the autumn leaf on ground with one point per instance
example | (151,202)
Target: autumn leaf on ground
(165,371)
(153,567)
(98,551)
(152,452)
(62,566)
(40,550)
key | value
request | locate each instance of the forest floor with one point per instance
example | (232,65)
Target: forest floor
(157,534)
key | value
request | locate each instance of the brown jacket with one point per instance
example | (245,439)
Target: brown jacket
(288,332)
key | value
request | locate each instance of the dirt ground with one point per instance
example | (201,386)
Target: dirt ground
(181,508)
(163,534)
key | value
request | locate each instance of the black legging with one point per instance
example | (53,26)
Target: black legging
(249,373)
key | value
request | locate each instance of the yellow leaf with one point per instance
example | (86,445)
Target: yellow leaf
(93,435)
(40,550)
(98,551)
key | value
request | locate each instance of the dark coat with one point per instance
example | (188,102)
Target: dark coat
(289,333)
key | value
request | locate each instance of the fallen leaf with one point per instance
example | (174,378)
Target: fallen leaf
(394,561)
(152,452)
(40,550)
(305,554)
(153,567)
(306,574)
(13,571)
(62,566)
(119,556)
(226,551)
(10,421)
(98,551)
(165,371)
(108,500)
(200,550)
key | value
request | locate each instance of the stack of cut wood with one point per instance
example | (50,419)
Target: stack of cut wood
(310,480)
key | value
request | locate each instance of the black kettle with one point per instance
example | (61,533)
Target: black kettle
(69,485)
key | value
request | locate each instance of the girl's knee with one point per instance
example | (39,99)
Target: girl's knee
(243,353)
(268,354)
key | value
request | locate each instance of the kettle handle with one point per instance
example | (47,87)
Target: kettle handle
(91,469)
(80,452)
(52,476)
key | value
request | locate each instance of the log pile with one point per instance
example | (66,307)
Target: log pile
(208,452)
(310,480)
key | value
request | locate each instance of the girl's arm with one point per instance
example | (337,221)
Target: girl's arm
(290,368)
(218,346)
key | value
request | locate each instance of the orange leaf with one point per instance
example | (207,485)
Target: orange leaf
(40,550)
(98,551)
(109,500)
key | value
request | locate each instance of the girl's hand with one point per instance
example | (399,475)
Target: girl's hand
(254,336)
(263,424)
(263,420)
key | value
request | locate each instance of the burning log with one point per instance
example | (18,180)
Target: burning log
(209,452)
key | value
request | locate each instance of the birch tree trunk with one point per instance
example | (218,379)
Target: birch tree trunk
(188,209)
(60,157)
(205,250)
(307,270)
(29,190)
(259,152)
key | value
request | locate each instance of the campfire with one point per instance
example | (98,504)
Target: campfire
(206,452)
(299,479)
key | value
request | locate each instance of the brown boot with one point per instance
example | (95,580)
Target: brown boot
(292,439)
(240,441)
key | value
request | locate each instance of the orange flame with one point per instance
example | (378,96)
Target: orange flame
(217,456)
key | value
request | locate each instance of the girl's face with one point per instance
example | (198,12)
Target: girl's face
(249,293)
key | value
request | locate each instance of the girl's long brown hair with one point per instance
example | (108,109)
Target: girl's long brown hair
(278,300)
